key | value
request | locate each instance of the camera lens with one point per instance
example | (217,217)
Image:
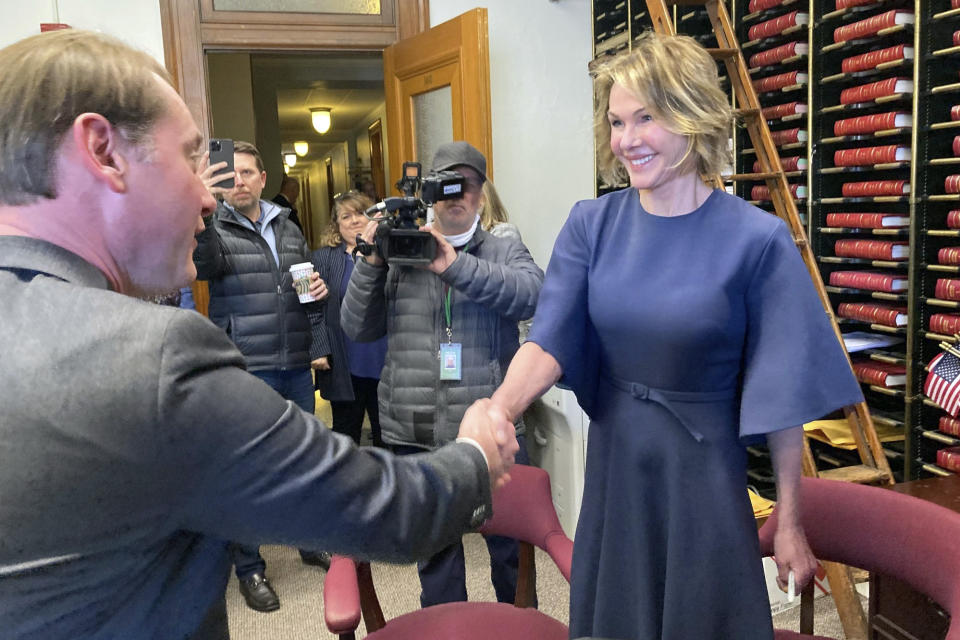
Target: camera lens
(215,145)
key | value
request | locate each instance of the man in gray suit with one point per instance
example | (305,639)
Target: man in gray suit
(132,442)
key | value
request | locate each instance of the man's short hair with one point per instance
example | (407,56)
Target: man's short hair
(46,81)
(239,146)
(288,180)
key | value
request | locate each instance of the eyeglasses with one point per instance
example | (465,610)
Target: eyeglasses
(337,197)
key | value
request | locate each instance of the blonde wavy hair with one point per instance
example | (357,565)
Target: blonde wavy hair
(493,212)
(354,200)
(677,82)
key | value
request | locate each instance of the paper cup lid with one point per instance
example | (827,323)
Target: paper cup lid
(302,266)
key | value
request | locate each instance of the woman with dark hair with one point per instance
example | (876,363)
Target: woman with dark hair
(349,376)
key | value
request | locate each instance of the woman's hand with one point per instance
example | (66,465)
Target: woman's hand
(368,235)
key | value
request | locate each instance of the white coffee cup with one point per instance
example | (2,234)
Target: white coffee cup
(301,280)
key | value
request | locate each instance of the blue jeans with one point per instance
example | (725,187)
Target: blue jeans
(443,575)
(295,385)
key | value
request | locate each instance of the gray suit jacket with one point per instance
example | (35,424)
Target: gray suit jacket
(132,443)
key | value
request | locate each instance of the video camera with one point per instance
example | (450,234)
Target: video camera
(398,238)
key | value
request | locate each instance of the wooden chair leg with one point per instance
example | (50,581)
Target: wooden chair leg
(526,576)
(850,610)
(369,603)
(806,609)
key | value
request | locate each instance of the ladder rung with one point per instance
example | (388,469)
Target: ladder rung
(742,177)
(723,54)
(858,473)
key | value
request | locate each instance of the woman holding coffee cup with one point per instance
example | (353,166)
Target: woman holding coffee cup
(350,375)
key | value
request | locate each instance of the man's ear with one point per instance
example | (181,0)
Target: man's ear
(101,150)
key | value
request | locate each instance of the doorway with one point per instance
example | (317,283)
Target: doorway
(266,98)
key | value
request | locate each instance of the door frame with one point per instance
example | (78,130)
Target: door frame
(191,29)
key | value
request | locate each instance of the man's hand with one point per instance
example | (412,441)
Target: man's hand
(206,173)
(446,254)
(318,288)
(792,553)
(486,425)
(368,235)
(321,364)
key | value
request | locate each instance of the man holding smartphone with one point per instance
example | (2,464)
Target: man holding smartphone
(245,253)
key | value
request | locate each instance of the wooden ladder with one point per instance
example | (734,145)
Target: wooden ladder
(874,467)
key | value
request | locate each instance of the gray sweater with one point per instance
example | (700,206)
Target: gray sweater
(494,283)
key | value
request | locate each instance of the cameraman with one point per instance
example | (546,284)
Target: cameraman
(451,329)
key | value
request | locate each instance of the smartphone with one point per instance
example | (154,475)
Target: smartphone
(221,150)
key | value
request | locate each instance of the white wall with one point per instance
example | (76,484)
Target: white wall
(136,22)
(541,98)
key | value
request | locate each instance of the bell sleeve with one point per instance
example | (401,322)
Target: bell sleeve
(794,368)
(561,325)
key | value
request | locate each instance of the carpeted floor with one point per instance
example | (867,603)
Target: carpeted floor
(300,588)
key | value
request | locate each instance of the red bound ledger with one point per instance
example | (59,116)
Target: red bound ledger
(876,188)
(762,5)
(956,38)
(869,280)
(870,26)
(790,163)
(949,458)
(948,255)
(952,184)
(955,4)
(867,220)
(947,289)
(846,4)
(956,145)
(948,425)
(777,54)
(873,313)
(871,59)
(945,323)
(872,249)
(953,219)
(862,156)
(782,110)
(874,90)
(788,136)
(955,109)
(872,123)
(777,25)
(779,81)
(880,374)
(762,192)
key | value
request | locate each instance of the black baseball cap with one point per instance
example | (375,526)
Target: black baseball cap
(453,154)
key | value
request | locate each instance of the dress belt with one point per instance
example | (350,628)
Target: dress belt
(666,398)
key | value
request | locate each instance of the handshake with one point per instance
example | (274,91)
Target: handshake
(489,426)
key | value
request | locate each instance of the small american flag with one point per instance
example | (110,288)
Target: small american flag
(943,382)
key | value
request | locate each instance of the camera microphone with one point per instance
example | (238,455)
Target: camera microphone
(380,207)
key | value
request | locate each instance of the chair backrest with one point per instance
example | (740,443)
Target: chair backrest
(880,530)
(523,509)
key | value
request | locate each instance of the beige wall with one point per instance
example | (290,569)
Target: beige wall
(231,96)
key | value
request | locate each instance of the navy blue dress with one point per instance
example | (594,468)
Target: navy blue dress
(682,337)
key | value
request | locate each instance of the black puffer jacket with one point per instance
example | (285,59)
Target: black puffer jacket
(252,299)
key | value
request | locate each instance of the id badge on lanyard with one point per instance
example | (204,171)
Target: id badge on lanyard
(451,361)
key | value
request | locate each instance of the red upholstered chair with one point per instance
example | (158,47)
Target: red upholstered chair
(523,509)
(882,531)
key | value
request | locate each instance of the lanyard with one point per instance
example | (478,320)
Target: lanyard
(448,305)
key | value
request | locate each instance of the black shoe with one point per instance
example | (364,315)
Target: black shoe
(258,593)
(316,558)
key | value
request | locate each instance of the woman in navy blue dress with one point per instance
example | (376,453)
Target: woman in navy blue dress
(685,321)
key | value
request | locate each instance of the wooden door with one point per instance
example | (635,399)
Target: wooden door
(437,87)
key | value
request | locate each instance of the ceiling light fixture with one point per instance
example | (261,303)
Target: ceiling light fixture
(320,117)
(301,147)
(290,159)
